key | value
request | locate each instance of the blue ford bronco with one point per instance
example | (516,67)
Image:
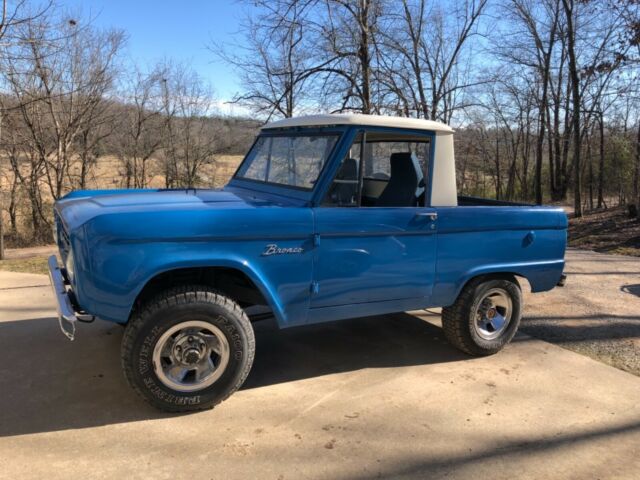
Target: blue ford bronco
(328,217)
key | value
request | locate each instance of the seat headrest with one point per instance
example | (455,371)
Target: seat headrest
(348,170)
(403,188)
(402,165)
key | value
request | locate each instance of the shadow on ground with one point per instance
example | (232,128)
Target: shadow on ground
(520,453)
(52,384)
(632,289)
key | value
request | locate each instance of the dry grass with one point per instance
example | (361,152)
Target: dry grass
(26,265)
(109,173)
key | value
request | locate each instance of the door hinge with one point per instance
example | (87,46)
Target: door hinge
(315,287)
(316,239)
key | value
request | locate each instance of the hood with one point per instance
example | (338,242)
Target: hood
(79,207)
(133,197)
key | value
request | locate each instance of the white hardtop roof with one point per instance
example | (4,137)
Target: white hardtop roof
(360,119)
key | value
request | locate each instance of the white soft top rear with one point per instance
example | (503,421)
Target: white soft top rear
(360,119)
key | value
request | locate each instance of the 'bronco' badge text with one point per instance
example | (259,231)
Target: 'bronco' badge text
(273,249)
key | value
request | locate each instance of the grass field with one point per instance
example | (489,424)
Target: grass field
(109,172)
(26,265)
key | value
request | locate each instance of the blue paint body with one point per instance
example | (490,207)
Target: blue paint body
(355,261)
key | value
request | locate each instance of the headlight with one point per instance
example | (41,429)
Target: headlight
(69,265)
(55,231)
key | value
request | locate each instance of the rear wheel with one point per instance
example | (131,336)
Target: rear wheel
(188,349)
(485,316)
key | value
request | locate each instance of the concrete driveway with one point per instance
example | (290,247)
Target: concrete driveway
(382,397)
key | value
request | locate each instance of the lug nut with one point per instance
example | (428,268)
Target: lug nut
(190,339)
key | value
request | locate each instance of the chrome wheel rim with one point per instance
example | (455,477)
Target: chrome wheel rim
(191,356)
(493,314)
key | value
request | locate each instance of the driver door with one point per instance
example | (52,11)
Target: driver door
(368,248)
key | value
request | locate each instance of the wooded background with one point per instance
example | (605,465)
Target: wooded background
(544,96)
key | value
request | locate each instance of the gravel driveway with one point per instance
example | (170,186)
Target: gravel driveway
(596,314)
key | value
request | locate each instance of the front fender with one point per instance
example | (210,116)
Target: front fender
(118,271)
(252,271)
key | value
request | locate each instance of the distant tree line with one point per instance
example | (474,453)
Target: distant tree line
(543,93)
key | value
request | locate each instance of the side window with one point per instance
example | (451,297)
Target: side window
(394,172)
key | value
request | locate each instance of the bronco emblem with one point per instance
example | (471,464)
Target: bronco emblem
(273,249)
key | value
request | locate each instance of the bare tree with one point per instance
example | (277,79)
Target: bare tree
(60,72)
(28,168)
(591,74)
(139,128)
(275,58)
(12,16)
(189,142)
(636,173)
(431,43)
(536,26)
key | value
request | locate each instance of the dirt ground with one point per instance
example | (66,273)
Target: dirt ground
(606,231)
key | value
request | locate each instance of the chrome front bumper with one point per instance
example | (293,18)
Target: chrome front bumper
(67,317)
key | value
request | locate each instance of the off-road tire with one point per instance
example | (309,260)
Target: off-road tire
(458,319)
(171,308)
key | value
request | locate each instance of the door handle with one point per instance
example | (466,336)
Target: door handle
(433,216)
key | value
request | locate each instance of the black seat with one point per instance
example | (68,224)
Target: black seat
(346,182)
(403,183)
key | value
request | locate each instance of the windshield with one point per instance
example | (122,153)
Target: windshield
(291,160)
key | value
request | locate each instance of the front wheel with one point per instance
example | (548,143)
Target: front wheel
(484,317)
(188,349)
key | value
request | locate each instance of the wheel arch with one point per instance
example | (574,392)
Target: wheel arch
(235,279)
(509,276)
(540,275)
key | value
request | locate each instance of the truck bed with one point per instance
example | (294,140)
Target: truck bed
(466,201)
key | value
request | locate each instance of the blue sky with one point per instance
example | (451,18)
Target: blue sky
(178,30)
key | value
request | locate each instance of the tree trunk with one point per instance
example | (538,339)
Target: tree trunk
(1,234)
(13,205)
(575,91)
(552,177)
(365,59)
(1,214)
(590,160)
(636,173)
(498,178)
(542,120)
(601,164)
